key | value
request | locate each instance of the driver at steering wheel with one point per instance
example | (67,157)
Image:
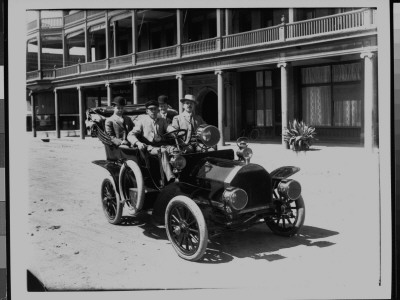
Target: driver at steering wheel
(188,120)
(147,135)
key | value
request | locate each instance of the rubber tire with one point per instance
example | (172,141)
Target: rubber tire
(299,221)
(137,173)
(189,204)
(118,214)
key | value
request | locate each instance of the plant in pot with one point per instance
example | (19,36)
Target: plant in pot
(299,136)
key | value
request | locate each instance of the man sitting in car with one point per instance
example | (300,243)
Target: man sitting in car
(147,136)
(188,120)
(118,126)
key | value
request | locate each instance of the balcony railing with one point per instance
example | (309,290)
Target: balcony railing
(156,54)
(51,22)
(94,12)
(33,75)
(260,36)
(120,61)
(93,66)
(70,70)
(74,17)
(345,22)
(198,47)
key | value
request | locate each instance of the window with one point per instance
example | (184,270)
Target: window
(332,95)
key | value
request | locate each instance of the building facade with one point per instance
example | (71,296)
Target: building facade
(251,70)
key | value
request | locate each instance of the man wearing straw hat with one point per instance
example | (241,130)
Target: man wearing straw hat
(118,126)
(188,119)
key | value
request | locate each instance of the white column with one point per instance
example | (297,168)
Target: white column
(115,39)
(135,91)
(81,114)
(134,36)
(219,28)
(284,97)
(228,21)
(39,39)
(180,91)
(33,107)
(291,15)
(107,39)
(179,32)
(56,114)
(221,108)
(109,93)
(370,109)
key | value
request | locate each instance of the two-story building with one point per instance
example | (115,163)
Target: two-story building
(255,68)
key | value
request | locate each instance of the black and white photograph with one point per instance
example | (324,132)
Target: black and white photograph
(200,149)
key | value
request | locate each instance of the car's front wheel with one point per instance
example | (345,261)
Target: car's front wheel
(186,228)
(288,218)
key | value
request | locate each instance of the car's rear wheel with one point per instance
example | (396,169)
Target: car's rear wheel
(110,201)
(186,228)
(288,218)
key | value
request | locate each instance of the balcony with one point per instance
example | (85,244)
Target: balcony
(348,22)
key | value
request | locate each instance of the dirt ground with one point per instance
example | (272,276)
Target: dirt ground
(336,254)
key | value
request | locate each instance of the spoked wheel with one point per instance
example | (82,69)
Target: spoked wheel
(289,217)
(186,228)
(131,186)
(110,201)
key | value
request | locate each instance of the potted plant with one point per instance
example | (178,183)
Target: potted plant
(299,136)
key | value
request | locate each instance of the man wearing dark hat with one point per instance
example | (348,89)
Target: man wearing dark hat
(146,135)
(188,119)
(165,113)
(118,126)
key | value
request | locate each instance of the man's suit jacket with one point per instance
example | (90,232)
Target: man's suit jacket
(146,130)
(118,130)
(183,121)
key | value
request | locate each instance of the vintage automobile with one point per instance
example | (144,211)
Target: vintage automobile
(213,192)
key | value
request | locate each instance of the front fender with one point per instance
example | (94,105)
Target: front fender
(284,172)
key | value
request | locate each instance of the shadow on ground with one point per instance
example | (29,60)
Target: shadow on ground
(257,242)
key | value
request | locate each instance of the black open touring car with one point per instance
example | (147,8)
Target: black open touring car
(213,192)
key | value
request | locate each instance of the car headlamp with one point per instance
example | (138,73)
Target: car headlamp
(177,161)
(290,188)
(236,198)
(208,134)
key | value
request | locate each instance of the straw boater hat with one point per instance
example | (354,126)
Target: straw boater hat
(189,98)
(151,103)
(119,101)
(162,99)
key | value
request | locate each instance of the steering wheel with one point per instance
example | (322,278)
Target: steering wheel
(178,133)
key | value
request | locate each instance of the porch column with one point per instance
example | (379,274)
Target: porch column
(179,33)
(219,28)
(82,126)
(284,97)
(39,39)
(135,91)
(291,15)
(65,50)
(109,93)
(134,36)
(56,114)
(33,106)
(107,39)
(180,91)
(370,107)
(87,43)
(221,108)
(228,21)
(115,24)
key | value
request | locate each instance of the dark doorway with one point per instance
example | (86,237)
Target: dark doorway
(278,112)
(209,108)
